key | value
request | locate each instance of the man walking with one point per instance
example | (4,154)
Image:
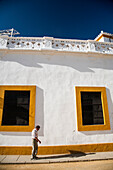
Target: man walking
(35,141)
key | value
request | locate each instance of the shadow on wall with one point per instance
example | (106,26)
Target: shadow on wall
(110,106)
(39,116)
(76,61)
(39,112)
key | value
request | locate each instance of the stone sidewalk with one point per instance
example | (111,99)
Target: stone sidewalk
(43,159)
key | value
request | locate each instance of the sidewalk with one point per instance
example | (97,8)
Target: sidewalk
(43,159)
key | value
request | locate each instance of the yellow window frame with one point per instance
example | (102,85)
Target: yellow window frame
(18,128)
(80,126)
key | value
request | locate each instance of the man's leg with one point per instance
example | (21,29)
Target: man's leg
(36,148)
(33,148)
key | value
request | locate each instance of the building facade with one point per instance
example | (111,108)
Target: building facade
(65,86)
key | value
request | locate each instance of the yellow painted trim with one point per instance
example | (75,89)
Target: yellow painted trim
(107,36)
(62,149)
(80,125)
(31,125)
(99,38)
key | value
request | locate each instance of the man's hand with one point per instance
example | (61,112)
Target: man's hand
(39,141)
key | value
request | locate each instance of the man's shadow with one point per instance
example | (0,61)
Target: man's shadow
(71,155)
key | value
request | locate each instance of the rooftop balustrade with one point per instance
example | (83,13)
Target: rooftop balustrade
(49,43)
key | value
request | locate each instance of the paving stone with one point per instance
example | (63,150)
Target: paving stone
(10,159)
(24,159)
(2,157)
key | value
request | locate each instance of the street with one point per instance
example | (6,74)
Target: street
(92,165)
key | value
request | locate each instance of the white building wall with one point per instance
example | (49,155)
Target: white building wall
(55,75)
(102,39)
(108,39)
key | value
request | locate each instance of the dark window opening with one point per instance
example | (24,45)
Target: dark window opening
(92,113)
(16,108)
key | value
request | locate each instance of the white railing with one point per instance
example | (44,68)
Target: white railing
(49,43)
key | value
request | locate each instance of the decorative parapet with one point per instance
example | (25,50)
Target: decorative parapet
(3,42)
(49,43)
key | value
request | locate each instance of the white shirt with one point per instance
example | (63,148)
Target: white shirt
(34,133)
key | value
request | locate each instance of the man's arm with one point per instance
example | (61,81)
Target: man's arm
(37,140)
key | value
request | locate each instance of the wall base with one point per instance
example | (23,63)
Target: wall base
(62,149)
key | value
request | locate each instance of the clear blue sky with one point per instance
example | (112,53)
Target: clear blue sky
(75,19)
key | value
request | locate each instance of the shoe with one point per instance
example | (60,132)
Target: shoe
(32,158)
(35,157)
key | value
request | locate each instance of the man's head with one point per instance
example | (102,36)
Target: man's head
(37,127)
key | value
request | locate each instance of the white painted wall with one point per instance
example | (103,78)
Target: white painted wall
(102,39)
(55,75)
(108,39)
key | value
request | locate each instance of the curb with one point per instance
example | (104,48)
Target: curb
(51,162)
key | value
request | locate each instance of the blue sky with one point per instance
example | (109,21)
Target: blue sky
(73,19)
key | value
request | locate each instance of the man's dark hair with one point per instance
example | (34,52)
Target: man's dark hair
(38,127)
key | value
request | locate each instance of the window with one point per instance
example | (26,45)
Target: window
(17,108)
(92,109)
(92,112)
